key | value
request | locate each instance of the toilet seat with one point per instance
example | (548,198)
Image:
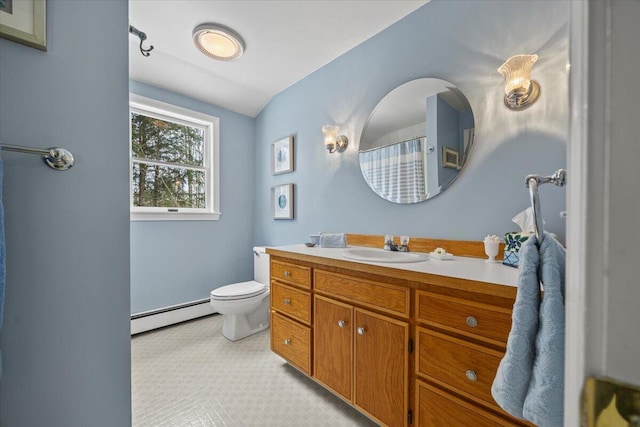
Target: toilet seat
(238,291)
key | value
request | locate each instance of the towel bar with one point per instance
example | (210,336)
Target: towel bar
(56,158)
(532,182)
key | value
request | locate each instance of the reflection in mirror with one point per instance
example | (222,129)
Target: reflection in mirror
(416,141)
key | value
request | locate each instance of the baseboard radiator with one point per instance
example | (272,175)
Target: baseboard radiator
(154,319)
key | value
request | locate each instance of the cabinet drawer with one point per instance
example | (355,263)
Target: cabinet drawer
(292,274)
(388,298)
(476,320)
(467,367)
(436,407)
(293,302)
(291,341)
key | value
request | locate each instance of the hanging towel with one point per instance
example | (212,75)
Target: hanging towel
(512,379)
(2,260)
(544,405)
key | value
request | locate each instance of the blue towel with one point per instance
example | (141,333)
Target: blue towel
(2,259)
(544,405)
(329,240)
(529,383)
(512,379)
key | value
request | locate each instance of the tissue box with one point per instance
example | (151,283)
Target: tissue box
(512,243)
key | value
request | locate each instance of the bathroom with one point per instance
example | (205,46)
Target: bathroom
(73,282)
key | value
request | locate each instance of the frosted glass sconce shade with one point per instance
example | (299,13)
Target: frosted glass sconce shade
(332,141)
(520,91)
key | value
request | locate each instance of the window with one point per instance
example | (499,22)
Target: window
(174,162)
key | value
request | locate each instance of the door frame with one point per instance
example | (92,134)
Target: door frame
(577,214)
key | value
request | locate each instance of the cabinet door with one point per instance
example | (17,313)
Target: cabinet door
(381,367)
(333,352)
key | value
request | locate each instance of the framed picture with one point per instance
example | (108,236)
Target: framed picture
(282,201)
(24,21)
(449,158)
(281,155)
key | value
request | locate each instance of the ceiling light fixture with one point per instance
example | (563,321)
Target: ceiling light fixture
(218,42)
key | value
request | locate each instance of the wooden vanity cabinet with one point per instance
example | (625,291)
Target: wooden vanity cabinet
(404,349)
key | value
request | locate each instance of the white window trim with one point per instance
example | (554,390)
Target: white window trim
(212,156)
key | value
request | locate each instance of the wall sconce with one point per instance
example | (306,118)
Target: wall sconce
(333,141)
(520,91)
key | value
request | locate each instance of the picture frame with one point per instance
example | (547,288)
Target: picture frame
(450,158)
(282,201)
(282,156)
(24,21)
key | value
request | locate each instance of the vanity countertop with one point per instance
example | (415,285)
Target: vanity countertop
(459,267)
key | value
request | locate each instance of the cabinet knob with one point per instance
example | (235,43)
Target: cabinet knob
(287,274)
(471,375)
(472,321)
(287,341)
(287,301)
(361,330)
(341,323)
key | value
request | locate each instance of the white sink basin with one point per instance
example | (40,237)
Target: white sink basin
(380,255)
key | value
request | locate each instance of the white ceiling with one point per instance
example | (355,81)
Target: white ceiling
(285,41)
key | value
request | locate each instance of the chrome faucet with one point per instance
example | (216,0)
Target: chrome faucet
(389,244)
(404,244)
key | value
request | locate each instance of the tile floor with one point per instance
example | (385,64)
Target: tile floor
(189,375)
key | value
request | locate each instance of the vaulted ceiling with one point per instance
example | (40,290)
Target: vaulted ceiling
(285,41)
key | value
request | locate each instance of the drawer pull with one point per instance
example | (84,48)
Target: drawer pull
(472,321)
(341,323)
(287,301)
(361,330)
(471,375)
(287,341)
(287,274)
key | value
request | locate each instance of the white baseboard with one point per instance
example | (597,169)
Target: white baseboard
(146,321)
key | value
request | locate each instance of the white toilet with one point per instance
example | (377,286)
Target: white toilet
(245,305)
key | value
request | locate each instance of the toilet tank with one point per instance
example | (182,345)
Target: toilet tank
(261,265)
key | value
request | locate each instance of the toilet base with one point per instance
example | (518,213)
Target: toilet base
(238,326)
(235,328)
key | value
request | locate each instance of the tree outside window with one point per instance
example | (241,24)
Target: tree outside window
(171,162)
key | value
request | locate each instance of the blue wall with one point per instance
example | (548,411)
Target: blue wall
(463,42)
(178,261)
(66,335)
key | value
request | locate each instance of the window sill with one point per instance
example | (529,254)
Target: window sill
(178,216)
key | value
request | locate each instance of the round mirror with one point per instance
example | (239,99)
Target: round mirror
(416,141)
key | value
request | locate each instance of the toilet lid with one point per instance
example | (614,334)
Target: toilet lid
(239,290)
